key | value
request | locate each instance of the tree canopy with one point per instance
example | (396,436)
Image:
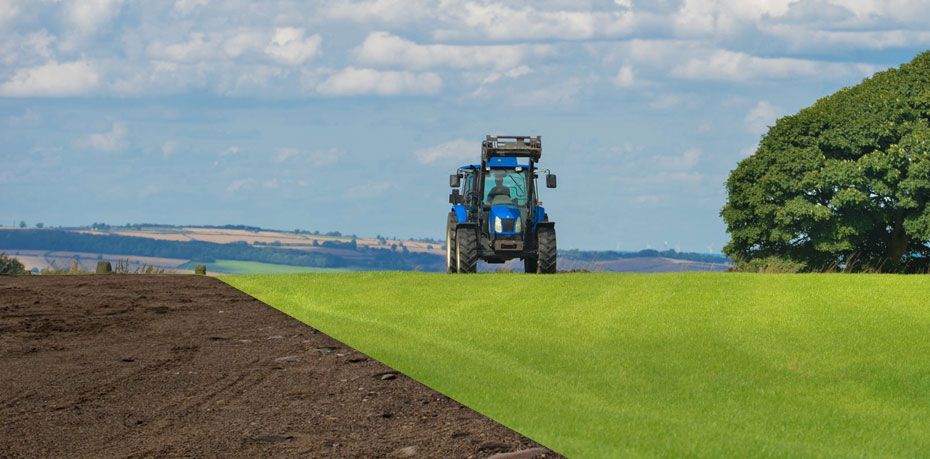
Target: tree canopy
(844,183)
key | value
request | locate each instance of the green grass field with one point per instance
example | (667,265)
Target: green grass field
(697,364)
(255,267)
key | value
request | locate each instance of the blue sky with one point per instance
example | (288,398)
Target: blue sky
(349,116)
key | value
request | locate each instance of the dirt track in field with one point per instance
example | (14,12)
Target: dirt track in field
(132,365)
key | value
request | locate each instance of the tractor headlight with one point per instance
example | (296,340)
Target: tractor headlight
(498,227)
(517,225)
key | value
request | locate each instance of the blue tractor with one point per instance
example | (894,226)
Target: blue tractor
(496,214)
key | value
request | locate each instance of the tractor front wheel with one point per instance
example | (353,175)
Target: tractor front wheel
(466,252)
(545,250)
(451,259)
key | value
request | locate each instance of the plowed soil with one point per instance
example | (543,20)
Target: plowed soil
(132,365)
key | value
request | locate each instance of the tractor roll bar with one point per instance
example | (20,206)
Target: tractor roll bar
(511,145)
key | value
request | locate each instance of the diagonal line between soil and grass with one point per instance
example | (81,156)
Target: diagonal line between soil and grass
(697,364)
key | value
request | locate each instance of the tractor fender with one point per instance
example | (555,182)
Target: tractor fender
(461,215)
(546,224)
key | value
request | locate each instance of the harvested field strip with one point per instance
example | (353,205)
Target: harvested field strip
(698,364)
(134,365)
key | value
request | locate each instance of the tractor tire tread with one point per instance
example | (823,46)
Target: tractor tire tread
(546,251)
(466,241)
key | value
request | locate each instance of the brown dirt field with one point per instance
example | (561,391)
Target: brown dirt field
(132,365)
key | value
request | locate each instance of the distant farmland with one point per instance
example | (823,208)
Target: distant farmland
(227,249)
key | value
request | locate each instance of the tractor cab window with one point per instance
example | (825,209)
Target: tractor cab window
(468,183)
(506,186)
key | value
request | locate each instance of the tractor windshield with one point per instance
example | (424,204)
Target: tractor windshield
(506,186)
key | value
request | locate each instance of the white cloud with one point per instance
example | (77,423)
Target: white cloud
(52,79)
(288,46)
(624,77)
(169,148)
(9,9)
(761,116)
(355,81)
(380,11)
(494,77)
(241,42)
(737,66)
(188,6)
(724,17)
(497,21)
(453,151)
(233,150)
(112,140)
(196,48)
(87,16)
(39,43)
(385,49)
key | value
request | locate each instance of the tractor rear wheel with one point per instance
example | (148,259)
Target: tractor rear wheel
(546,250)
(466,243)
(529,264)
(451,260)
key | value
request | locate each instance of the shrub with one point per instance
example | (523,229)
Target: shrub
(773,264)
(200,269)
(10,265)
(104,267)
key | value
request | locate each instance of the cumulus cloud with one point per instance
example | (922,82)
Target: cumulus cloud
(353,81)
(288,46)
(737,66)
(760,117)
(112,140)
(385,49)
(52,79)
(452,151)
(196,48)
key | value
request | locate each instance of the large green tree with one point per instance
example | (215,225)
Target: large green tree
(844,183)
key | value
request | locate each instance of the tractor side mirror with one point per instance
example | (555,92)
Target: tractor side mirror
(455,180)
(455,197)
(550,181)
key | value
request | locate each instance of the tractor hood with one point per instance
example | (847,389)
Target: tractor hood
(505,219)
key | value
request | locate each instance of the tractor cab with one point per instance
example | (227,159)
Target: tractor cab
(497,202)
